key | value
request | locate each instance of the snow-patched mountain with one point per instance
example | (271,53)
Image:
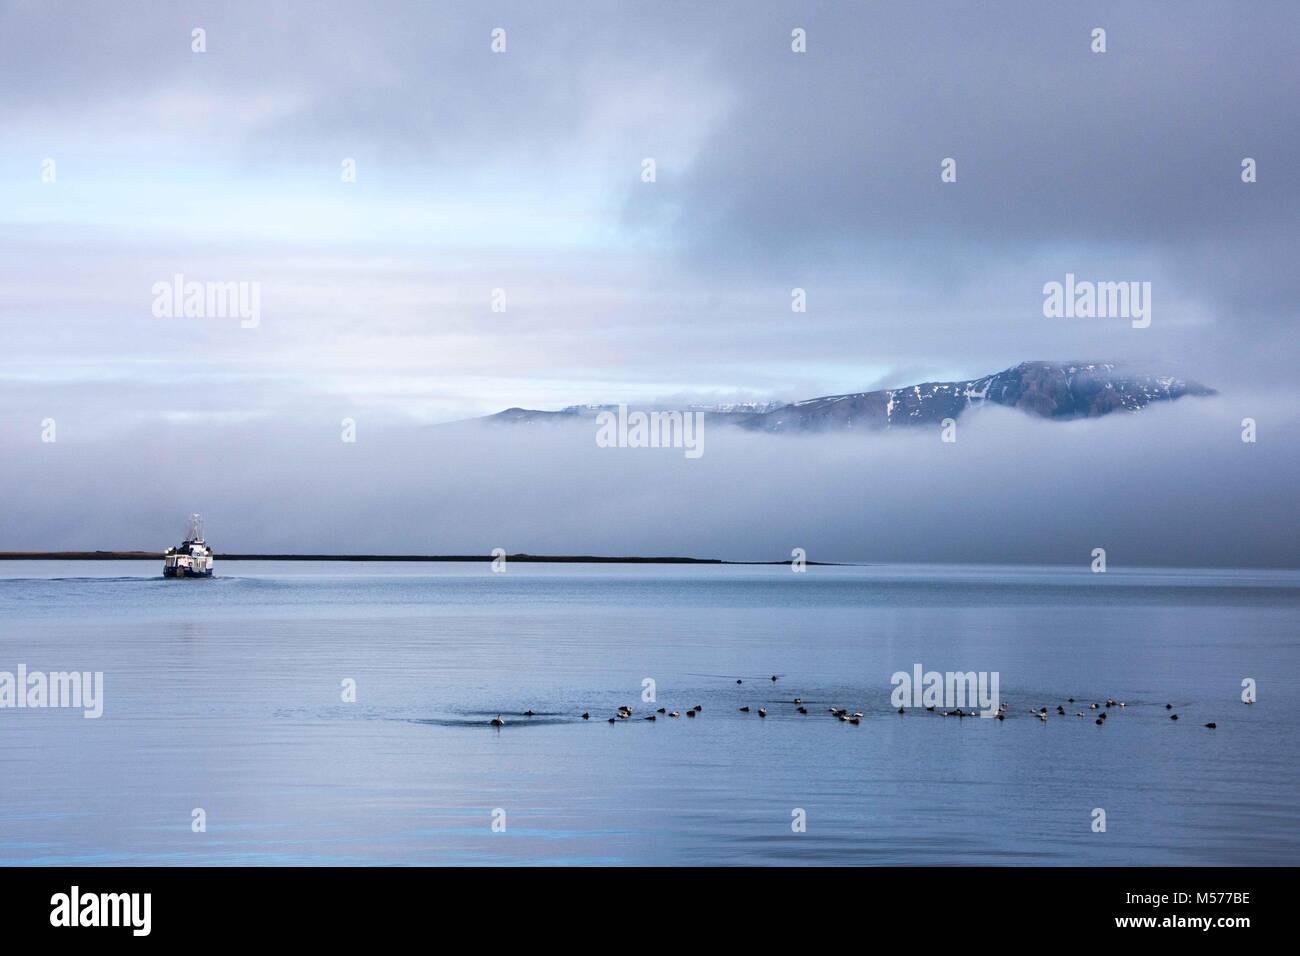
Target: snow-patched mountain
(1045,389)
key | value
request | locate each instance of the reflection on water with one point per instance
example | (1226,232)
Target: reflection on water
(227,695)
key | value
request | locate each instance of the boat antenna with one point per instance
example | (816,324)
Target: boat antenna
(196,527)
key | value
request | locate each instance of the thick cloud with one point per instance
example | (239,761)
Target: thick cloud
(521,172)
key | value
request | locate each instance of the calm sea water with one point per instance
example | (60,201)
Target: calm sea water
(225,695)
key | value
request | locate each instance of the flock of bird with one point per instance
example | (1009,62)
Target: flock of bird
(843,714)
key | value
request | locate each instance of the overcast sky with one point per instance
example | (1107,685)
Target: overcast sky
(522,171)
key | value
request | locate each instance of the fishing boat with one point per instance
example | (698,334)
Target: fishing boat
(192,558)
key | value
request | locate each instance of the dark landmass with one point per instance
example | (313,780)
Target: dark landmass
(1059,391)
(520,558)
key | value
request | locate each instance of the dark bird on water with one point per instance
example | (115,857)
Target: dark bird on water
(1100,721)
(902,710)
(803,710)
(1169,706)
(739,681)
(529,713)
(1000,715)
(690,713)
(762,712)
(854,721)
(612,720)
(586,716)
(497,721)
(1211,725)
(744,710)
(773,677)
(1173,716)
(663,710)
(651,717)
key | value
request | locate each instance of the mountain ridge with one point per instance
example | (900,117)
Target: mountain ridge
(1053,390)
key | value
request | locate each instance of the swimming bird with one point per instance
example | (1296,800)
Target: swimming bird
(1169,706)
(762,712)
(902,710)
(854,721)
(857,714)
(1000,716)
(1173,716)
(612,720)
(663,710)
(674,714)
(744,710)
(739,681)
(798,700)
(1069,700)
(698,708)
(690,713)
(931,709)
(586,716)
(774,678)
(651,717)
(1079,714)
(1092,707)
(529,713)
(1043,717)
(497,721)
(1100,721)
(803,710)
(1211,725)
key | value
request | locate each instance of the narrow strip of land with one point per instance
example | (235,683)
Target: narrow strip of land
(522,558)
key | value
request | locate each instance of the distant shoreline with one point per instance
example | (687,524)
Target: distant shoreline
(482,558)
